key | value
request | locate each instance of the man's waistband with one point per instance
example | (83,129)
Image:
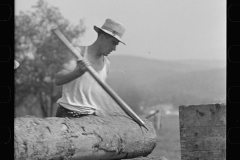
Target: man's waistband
(78,112)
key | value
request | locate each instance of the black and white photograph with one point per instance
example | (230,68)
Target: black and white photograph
(120,79)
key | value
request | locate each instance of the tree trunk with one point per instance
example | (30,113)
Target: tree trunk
(85,138)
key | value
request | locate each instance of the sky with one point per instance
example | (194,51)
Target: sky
(156,29)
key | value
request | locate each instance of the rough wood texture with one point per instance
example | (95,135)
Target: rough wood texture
(203,132)
(204,155)
(85,138)
(149,158)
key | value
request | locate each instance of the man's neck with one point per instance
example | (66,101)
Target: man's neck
(93,51)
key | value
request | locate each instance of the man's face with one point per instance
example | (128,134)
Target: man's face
(109,44)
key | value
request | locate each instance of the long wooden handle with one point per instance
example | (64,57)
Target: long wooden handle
(117,99)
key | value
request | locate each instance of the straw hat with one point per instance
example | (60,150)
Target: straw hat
(113,28)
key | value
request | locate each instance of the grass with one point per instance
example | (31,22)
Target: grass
(168,139)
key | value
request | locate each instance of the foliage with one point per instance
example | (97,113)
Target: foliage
(40,54)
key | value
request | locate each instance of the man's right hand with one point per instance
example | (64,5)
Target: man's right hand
(66,75)
(82,65)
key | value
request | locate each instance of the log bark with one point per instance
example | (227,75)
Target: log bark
(149,158)
(85,138)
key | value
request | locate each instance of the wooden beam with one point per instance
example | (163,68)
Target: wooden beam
(203,131)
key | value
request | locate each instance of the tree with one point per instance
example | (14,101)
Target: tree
(40,54)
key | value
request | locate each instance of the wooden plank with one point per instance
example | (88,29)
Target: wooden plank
(202,115)
(212,143)
(204,155)
(203,132)
(203,138)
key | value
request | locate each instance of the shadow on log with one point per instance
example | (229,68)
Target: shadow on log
(85,138)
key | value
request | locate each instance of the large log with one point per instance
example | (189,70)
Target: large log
(149,158)
(90,137)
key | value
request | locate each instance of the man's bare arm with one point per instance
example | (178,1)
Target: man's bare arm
(69,74)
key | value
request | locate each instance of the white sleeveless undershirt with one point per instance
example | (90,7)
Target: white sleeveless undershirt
(84,94)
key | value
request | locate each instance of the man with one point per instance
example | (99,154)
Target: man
(81,94)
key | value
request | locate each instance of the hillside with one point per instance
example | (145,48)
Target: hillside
(146,82)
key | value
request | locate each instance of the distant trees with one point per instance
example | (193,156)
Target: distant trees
(40,55)
(146,82)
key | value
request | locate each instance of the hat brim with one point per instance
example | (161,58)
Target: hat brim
(108,32)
